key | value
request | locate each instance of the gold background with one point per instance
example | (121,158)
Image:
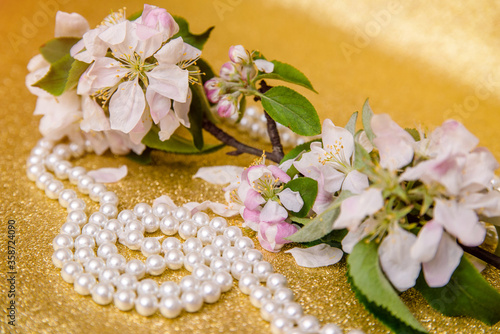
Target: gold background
(425,62)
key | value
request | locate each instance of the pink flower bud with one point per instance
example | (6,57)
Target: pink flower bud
(159,19)
(227,106)
(238,54)
(248,72)
(213,88)
(228,72)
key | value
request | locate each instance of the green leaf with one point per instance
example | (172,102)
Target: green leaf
(414,133)
(143,159)
(308,190)
(467,293)
(292,171)
(351,124)
(288,73)
(322,224)
(199,106)
(362,160)
(206,69)
(76,71)
(56,79)
(57,48)
(376,293)
(297,150)
(291,109)
(176,144)
(367,114)
(198,41)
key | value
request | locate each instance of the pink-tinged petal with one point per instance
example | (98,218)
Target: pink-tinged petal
(159,19)
(181,110)
(189,52)
(460,222)
(273,213)
(170,81)
(451,138)
(217,208)
(238,54)
(127,106)
(426,246)
(383,126)
(487,204)
(159,105)
(479,170)
(337,140)
(308,165)
(355,182)
(141,128)
(165,199)
(279,174)
(268,246)
(219,174)
(272,236)
(85,82)
(94,118)
(108,175)
(394,255)
(355,208)
(77,48)
(251,216)
(254,173)
(253,200)
(322,202)
(121,38)
(146,47)
(354,236)
(121,144)
(332,179)
(70,25)
(291,200)
(98,141)
(264,65)
(94,46)
(321,255)
(106,72)
(438,271)
(168,125)
(171,53)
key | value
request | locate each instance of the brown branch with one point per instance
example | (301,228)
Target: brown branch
(484,255)
(272,129)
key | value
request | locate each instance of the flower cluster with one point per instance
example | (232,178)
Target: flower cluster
(235,77)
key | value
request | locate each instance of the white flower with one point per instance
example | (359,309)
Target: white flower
(355,209)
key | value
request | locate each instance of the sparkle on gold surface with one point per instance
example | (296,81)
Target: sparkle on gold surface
(399,79)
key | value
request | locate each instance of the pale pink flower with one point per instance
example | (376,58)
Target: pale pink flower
(213,89)
(272,236)
(355,209)
(227,106)
(238,54)
(158,19)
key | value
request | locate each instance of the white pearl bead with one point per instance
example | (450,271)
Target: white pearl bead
(116,261)
(83,254)
(84,283)
(62,241)
(96,190)
(62,150)
(233,233)
(84,183)
(192,259)
(181,213)
(75,173)
(77,150)
(94,266)
(126,282)
(202,272)
(161,210)
(258,294)
(221,242)
(192,301)
(33,160)
(84,241)
(106,249)
(192,245)
(102,293)
(356,331)
(151,223)
(90,229)
(171,243)
(76,204)
(187,229)
(210,291)
(155,265)
(189,283)
(126,215)
(206,235)
(136,267)
(70,270)
(104,236)
(150,246)
(293,310)
(283,295)
(174,259)
(61,256)
(108,275)
(169,225)
(34,171)
(169,288)
(78,217)
(114,225)
(224,279)
(43,179)
(109,210)
(170,307)
(53,189)
(246,282)
(276,281)
(232,254)
(253,256)
(50,161)
(270,309)
(220,263)
(147,287)
(124,300)
(61,169)
(210,252)
(133,240)
(309,324)
(244,243)
(135,225)
(108,197)
(142,209)
(45,143)
(262,270)
(200,219)
(240,267)
(146,305)
(219,224)
(65,196)
(281,325)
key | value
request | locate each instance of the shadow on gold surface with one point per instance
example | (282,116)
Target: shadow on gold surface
(407,68)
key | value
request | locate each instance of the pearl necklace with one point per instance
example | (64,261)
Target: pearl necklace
(212,251)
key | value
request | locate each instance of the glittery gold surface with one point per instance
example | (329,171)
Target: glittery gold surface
(425,62)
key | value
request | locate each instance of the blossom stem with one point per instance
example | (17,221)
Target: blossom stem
(483,255)
(231,141)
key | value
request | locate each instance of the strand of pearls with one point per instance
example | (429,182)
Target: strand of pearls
(213,252)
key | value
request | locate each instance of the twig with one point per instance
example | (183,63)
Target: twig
(483,255)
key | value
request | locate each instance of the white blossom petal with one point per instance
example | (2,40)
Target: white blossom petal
(355,208)
(219,174)
(171,52)
(337,140)
(70,25)
(425,248)
(291,200)
(168,125)
(166,200)
(159,105)
(170,81)
(273,213)
(93,116)
(355,182)
(181,109)
(438,271)
(321,255)
(220,209)
(108,175)
(264,65)
(126,106)
(105,72)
